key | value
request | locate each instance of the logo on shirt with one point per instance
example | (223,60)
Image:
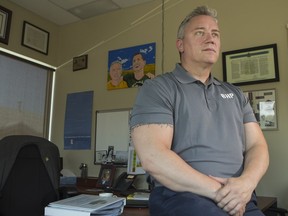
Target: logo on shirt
(227,96)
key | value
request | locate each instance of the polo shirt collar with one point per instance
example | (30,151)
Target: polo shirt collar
(183,77)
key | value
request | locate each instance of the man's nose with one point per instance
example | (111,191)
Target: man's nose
(209,38)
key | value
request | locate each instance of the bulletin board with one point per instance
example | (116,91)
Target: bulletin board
(112,129)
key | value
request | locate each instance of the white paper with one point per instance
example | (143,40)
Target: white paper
(67,173)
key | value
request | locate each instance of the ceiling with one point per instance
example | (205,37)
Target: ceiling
(62,12)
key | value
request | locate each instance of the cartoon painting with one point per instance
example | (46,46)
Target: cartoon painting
(130,67)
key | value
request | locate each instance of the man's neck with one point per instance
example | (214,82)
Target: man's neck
(116,82)
(138,75)
(199,72)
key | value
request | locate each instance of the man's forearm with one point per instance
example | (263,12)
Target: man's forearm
(256,163)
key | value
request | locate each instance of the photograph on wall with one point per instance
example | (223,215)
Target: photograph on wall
(130,67)
(263,103)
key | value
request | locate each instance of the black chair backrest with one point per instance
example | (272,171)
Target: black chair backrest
(28,187)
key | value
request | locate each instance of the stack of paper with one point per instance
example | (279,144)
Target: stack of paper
(138,196)
(138,199)
(86,205)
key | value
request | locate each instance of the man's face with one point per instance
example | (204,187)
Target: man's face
(115,71)
(138,63)
(201,42)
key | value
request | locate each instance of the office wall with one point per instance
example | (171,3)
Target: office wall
(19,14)
(243,24)
(95,37)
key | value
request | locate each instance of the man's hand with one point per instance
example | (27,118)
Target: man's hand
(234,195)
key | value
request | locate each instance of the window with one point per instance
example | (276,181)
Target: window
(25,93)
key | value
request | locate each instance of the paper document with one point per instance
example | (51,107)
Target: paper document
(138,196)
(86,203)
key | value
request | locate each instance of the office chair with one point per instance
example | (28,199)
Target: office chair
(29,175)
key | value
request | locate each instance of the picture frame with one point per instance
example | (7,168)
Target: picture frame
(80,62)
(263,103)
(35,38)
(106,176)
(251,65)
(120,65)
(5,24)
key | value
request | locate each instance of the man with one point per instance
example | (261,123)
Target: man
(138,77)
(197,137)
(115,73)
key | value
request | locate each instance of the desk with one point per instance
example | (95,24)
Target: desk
(264,203)
(88,187)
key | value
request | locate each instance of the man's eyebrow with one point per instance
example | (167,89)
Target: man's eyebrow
(199,28)
(203,28)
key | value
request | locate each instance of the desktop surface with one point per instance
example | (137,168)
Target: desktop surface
(88,187)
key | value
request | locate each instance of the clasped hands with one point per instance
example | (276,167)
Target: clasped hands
(234,194)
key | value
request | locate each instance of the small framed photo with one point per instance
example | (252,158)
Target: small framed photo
(106,176)
(80,62)
(5,23)
(251,66)
(263,103)
(35,38)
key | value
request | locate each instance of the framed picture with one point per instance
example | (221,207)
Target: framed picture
(35,38)
(251,66)
(129,67)
(106,176)
(80,62)
(263,103)
(5,23)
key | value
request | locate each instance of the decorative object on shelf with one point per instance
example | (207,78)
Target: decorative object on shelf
(35,38)
(5,23)
(251,66)
(263,103)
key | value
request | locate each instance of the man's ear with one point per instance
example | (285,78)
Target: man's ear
(179,45)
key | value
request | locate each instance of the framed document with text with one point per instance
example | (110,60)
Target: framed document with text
(5,23)
(251,66)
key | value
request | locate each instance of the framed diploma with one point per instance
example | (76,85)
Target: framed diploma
(35,38)
(251,65)
(5,23)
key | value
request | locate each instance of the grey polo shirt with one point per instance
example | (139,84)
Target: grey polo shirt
(208,120)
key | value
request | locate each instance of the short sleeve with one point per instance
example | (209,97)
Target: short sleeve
(153,104)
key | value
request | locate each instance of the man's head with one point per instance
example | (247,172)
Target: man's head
(202,10)
(198,37)
(115,70)
(138,62)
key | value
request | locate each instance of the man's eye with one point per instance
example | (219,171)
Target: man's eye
(199,33)
(215,34)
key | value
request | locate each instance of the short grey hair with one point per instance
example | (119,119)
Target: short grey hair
(201,10)
(116,62)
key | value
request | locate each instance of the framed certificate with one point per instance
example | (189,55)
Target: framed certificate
(251,66)
(35,38)
(5,23)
